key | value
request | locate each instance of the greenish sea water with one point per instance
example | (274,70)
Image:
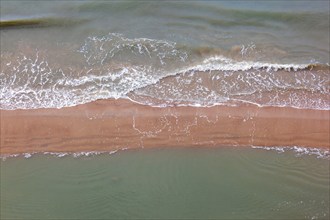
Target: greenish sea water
(228,183)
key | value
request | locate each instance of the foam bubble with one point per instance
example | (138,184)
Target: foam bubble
(27,155)
(87,153)
(4,157)
(299,151)
(56,154)
(226,64)
(62,154)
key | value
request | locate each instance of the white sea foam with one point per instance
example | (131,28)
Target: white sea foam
(27,155)
(87,153)
(222,63)
(56,154)
(219,84)
(61,154)
(299,151)
(4,157)
(113,151)
(116,66)
(321,153)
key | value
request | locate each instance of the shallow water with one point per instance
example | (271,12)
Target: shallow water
(228,183)
(200,53)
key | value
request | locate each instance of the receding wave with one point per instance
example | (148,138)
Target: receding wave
(157,73)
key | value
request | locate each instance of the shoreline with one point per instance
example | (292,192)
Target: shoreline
(109,125)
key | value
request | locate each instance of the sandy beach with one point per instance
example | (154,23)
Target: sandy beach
(107,125)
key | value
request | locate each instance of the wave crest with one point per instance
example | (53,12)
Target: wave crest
(157,73)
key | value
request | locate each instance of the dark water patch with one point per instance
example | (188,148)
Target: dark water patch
(222,16)
(219,22)
(39,23)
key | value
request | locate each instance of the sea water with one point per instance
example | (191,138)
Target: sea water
(194,183)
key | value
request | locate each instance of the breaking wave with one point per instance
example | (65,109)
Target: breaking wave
(157,73)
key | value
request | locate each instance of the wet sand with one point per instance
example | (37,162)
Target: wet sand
(107,125)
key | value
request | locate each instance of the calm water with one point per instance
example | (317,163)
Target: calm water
(165,184)
(198,53)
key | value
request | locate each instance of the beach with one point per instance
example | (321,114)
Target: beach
(107,125)
(164,109)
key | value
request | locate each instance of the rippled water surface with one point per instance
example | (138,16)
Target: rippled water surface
(160,53)
(224,183)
